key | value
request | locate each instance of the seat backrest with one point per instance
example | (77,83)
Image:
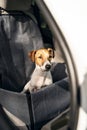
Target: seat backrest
(18,35)
(16,68)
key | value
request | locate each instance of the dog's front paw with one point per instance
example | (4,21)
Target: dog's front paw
(35,89)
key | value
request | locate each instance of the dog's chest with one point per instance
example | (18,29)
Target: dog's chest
(40,78)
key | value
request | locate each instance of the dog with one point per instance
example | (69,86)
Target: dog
(41,75)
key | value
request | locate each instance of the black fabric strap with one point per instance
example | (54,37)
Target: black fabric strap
(30,110)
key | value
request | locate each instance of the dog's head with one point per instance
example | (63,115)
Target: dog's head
(42,58)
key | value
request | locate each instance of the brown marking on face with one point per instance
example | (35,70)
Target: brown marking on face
(42,55)
(32,55)
(51,52)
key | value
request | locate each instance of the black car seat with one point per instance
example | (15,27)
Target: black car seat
(17,38)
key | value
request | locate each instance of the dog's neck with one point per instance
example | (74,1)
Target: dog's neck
(40,72)
(40,78)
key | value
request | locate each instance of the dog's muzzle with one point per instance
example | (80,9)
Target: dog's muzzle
(48,67)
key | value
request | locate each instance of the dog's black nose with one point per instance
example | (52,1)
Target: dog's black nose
(48,67)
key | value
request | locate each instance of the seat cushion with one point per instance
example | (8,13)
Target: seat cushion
(48,103)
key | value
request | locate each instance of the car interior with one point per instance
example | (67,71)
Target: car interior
(60,122)
(48,108)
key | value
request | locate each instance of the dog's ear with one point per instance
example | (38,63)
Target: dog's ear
(32,55)
(51,51)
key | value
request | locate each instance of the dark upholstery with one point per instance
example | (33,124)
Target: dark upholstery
(48,103)
(19,35)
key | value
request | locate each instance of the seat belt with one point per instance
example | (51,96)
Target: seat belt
(16,103)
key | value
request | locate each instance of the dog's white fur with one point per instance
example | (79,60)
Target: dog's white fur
(40,77)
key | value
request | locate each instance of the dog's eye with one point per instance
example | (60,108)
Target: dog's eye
(40,57)
(50,57)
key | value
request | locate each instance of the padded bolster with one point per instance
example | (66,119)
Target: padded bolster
(37,108)
(15,103)
(48,103)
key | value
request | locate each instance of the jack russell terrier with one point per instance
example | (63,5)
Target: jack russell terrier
(41,76)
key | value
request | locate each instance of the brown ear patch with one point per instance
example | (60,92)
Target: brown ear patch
(51,51)
(32,55)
